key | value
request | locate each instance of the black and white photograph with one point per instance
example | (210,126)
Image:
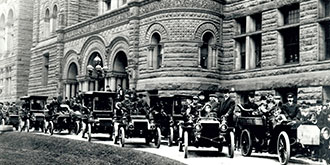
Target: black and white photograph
(164,82)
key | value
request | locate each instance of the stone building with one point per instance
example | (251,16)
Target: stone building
(15,45)
(154,46)
(168,46)
(277,46)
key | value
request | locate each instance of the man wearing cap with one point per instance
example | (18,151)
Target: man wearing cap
(291,110)
(195,106)
(226,108)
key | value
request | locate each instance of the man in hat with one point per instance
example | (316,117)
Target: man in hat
(141,105)
(290,109)
(195,107)
(214,102)
(127,104)
(226,108)
(250,105)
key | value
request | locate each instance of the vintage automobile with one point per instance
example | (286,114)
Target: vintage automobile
(285,138)
(172,107)
(207,132)
(62,120)
(139,127)
(100,106)
(34,112)
(15,121)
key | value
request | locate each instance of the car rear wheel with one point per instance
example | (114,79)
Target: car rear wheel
(157,137)
(283,148)
(122,137)
(231,145)
(246,143)
(185,136)
(171,137)
(89,129)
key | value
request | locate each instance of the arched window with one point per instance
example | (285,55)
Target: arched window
(10,30)
(46,23)
(2,34)
(156,53)
(207,53)
(54,19)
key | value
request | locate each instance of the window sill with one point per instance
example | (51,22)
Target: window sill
(323,19)
(248,34)
(279,28)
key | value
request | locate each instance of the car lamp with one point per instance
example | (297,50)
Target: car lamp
(198,127)
(223,127)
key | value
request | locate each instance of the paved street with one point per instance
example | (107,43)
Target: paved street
(197,156)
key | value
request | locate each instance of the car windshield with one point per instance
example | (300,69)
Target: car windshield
(38,104)
(103,103)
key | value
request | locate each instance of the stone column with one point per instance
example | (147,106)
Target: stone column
(67,90)
(105,83)
(113,83)
(85,85)
(73,89)
(247,52)
(124,83)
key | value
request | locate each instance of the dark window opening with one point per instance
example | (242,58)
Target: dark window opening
(242,25)
(327,40)
(326,8)
(258,21)
(291,14)
(257,42)
(45,69)
(204,57)
(242,53)
(291,45)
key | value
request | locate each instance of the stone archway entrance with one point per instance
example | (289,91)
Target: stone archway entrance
(118,74)
(71,86)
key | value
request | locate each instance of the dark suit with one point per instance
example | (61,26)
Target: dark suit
(227,107)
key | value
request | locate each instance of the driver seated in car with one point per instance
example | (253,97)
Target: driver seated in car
(291,110)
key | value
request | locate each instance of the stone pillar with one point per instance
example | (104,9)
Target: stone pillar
(247,52)
(114,4)
(124,83)
(85,85)
(67,90)
(80,86)
(105,83)
(113,83)
(150,57)
(73,89)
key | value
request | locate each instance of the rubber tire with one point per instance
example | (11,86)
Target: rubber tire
(89,132)
(231,145)
(51,127)
(220,148)
(186,143)
(158,138)
(121,137)
(27,125)
(248,151)
(283,136)
(76,128)
(171,137)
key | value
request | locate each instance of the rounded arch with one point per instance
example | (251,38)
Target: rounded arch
(10,17)
(2,20)
(93,44)
(205,28)
(160,29)
(47,14)
(120,62)
(118,44)
(72,71)
(69,58)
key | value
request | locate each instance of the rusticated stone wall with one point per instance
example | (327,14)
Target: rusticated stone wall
(14,62)
(181,24)
(311,71)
